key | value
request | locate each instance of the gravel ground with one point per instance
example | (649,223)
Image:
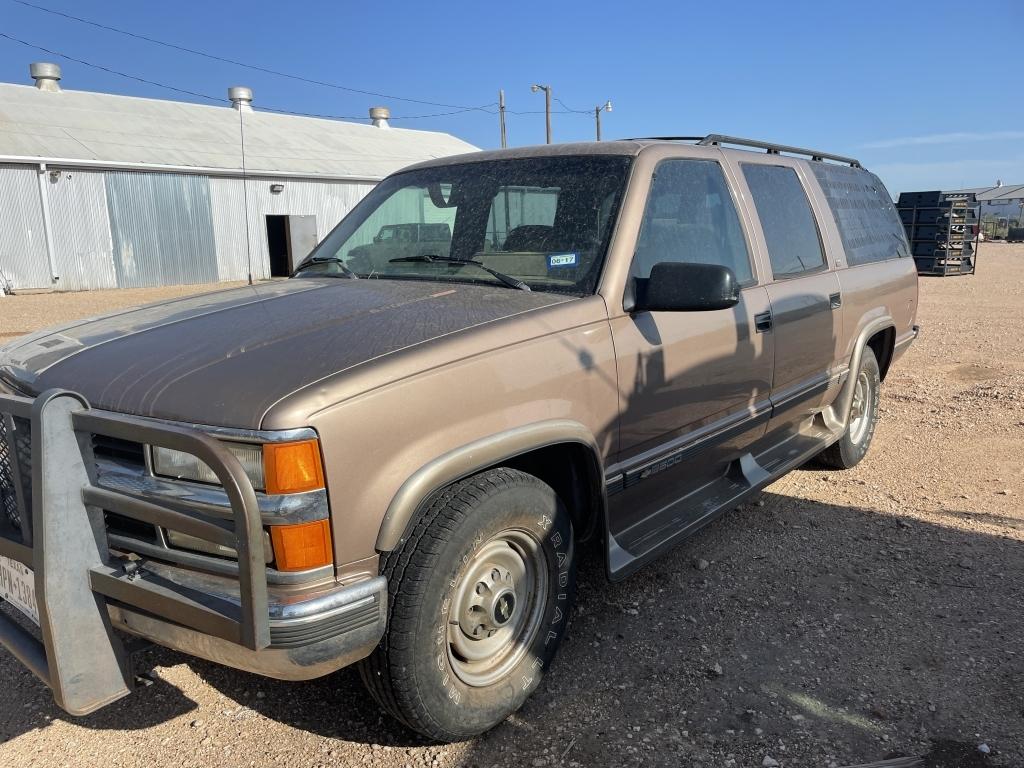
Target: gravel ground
(841,618)
(28,312)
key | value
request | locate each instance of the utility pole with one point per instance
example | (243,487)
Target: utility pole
(547,108)
(501,118)
(606,107)
(547,115)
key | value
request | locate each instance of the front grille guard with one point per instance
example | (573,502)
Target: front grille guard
(63,540)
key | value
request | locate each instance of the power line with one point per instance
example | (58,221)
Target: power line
(112,71)
(255,67)
(570,109)
(483,108)
(220,100)
(553,112)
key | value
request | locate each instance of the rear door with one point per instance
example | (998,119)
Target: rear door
(804,293)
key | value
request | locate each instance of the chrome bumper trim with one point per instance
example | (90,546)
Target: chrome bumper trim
(209,500)
(312,638)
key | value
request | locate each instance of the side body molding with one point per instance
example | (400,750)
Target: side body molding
(473,457)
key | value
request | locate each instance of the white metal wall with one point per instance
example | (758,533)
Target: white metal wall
(23,259)
(162,228)
(228,208)
(329,201)
(165,229)
(83,253)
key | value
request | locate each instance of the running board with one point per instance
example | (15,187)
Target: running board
(647,539)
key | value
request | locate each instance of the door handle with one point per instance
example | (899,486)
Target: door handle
(763,322)
(835,300)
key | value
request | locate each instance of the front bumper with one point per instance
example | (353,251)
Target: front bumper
(308,639)
(84,588)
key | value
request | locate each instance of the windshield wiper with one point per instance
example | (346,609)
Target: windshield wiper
(429,258)
(325,260)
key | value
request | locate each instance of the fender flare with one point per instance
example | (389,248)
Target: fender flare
(471,458)
(837,415)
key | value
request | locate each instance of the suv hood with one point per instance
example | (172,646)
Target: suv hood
(224,358)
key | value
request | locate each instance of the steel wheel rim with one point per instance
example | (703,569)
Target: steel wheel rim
(498,606)
(859,416)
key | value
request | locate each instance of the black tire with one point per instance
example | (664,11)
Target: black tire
(417,673)
(853,445)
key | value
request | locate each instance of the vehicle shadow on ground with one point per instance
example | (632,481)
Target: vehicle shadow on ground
(813,630)
(29,704)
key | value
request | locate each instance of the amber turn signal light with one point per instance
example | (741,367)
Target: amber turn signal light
(302,545)
(293,467)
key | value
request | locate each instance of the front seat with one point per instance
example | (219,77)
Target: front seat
(528,237)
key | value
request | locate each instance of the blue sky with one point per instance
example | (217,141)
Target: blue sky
(928,95)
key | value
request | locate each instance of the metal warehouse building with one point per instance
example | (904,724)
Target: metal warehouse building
(1002,200)
(106,191)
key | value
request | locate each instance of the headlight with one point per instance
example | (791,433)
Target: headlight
(276,468)
(184,466)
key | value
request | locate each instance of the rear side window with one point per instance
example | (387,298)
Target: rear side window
(867,220)
(787,220)
(690,218)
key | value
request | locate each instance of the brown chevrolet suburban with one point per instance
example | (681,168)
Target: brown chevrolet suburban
(394,461)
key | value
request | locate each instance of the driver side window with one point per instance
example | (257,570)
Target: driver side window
(690,218)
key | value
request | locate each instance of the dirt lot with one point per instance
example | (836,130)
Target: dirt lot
(26,313)
(842,618)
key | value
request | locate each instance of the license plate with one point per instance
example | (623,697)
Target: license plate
(18,587)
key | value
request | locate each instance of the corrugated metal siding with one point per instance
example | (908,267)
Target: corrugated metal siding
(228,208)
(132,229)
(162,229)
(83,252)
(329,201)
(22,239)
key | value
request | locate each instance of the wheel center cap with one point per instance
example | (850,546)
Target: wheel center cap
(503,607)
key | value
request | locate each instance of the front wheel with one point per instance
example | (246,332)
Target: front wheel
(480,595)
(849,449)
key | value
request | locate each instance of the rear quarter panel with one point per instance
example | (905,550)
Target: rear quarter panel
(880,289)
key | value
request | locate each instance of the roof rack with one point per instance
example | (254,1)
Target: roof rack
(717,139)
(667,138)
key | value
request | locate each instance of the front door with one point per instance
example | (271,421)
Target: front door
(694,386)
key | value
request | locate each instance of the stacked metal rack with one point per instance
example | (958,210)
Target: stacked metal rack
(942,228)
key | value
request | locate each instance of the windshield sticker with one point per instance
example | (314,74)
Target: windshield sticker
(556,260)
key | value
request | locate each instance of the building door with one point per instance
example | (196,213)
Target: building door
(289,240)
(277,244)
(301,237)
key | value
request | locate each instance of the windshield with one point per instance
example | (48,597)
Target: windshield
(544,221)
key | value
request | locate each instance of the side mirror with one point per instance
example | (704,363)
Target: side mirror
(680,287)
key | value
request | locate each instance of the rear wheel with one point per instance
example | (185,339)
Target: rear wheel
(480,595)
(853,445)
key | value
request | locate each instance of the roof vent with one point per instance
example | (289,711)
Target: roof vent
(241,98)
(46,75)
(379,116)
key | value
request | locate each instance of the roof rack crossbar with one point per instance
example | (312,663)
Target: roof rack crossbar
(717,139)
